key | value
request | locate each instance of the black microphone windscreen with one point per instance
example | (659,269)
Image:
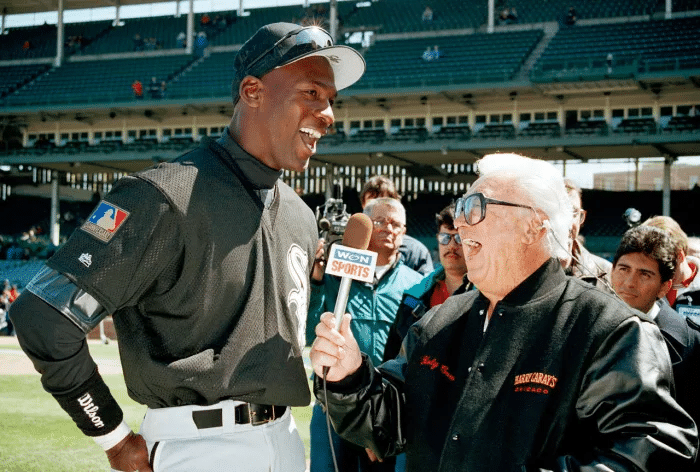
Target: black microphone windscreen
(358,231)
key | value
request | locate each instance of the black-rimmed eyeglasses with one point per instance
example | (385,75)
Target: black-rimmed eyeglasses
(445,238)
(307,39)
(473,207)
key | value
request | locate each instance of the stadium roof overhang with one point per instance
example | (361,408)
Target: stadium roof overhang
(14,7)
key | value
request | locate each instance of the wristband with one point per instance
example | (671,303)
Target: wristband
(109,440)
(92,407)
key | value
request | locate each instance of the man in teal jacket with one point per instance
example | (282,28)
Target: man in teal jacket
(449,278)
(373,307)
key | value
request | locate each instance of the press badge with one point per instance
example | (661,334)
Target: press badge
(105,221)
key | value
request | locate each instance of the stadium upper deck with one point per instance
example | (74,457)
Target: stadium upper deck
(534,84)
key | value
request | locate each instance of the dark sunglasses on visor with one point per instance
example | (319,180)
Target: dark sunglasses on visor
(445,238)
(473,207)
(296,43)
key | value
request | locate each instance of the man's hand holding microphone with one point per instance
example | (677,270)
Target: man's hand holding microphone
(335,353)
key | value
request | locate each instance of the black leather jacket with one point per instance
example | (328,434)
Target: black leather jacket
(565,378)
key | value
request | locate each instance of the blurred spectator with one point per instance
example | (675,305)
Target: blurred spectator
(163,88)
(181,40)
(200,44)
(427,16)
(26,46)
(584,265)
(432,54)
(503,17)
(74,44)
(609,62)
(154,88)
(149,44)
(5,322)
(571,16)
(513,15)
(220,22)
(138,42)
(204,21)
(137,87)
(13,293)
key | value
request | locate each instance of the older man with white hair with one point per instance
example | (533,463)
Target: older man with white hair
(535,370)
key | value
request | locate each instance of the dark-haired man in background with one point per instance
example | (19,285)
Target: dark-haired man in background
(209,315)
(642,274)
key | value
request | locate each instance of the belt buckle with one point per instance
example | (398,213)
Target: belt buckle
(253,412)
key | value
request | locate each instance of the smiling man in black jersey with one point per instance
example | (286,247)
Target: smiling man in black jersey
(209,313)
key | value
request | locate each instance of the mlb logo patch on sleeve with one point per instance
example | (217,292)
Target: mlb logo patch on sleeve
(105,221)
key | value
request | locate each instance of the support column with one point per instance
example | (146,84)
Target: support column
(666,207)
(190,28)
(669,9)
(55,227)
(59,36)
(333,18)
(117,14)
(492,6)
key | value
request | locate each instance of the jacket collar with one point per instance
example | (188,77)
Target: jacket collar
(675,330)
(539,284)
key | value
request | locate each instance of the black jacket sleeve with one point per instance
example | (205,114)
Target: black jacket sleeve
(367,407)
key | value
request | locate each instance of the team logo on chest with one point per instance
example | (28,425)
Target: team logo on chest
(105,221)
(297,264)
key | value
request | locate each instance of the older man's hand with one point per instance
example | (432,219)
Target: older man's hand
(337,350)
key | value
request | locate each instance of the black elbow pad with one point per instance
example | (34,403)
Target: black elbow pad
(74,303)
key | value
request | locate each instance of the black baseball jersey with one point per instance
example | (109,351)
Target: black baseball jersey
(208,287)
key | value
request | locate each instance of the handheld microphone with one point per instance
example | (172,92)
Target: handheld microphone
(351,261)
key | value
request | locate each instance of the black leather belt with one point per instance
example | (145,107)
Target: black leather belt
(245,413)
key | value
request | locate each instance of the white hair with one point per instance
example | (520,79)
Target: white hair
(386,201)
(543,185)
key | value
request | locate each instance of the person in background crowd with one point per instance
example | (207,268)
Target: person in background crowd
(534,370)
(642,274)
(684,296)
(413,253)
(137,88)
(449,278)
(373,306)
(582,264)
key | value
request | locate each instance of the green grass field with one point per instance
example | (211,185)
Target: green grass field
(36,435)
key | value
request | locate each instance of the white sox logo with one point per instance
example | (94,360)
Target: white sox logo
(297,264)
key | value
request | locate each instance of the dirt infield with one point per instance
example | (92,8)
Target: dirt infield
(14,362)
